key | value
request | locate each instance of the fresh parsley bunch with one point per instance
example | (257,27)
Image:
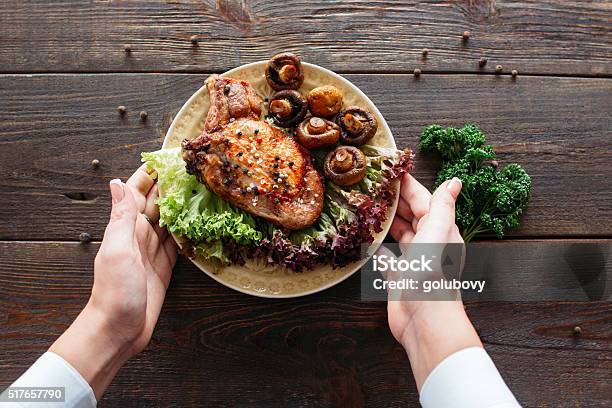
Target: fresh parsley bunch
(492,199)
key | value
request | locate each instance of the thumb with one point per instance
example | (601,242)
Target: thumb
(442,205)
(123,213)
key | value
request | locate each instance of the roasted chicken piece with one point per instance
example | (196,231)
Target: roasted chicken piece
(250,163)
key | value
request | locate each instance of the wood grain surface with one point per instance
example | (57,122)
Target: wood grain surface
(64,71)
(52,126)
(538,37)
(217,347)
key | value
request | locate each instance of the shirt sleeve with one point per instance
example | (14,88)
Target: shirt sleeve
(50,370)
(466,379)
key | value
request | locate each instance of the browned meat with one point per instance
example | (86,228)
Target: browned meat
(252,164)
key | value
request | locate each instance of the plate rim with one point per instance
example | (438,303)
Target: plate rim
(358,264)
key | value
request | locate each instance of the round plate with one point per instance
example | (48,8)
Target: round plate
(255,277)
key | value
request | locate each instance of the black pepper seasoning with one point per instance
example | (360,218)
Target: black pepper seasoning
(122,110)
(95,163)
(417,72)
(577,330)
(194,40)
(275,165)
(256,131)
(226,89)
(143,115)
(466,35)
(240,153)
(482,62)
(245,171)
(84,237)
(290,164)
(514,73)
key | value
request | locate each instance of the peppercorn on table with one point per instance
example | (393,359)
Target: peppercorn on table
(85,87)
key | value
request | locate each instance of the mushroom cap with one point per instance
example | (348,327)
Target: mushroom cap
(345,165)
(358,125)
(314,133)
(325,101)
(284,71)
(287,107)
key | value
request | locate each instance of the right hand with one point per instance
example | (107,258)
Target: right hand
(423,218)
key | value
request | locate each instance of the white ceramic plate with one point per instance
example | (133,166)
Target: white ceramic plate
(255,277)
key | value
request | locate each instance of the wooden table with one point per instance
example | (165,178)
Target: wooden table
(64,71)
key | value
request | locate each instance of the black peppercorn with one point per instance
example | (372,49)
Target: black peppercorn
(482,62)
(121,109)
(236,166)
(514,73)
(275,165)
(226,89)
(256,131)
(577,330)
(417,72)
(143,115)
(239,133)
(277,158)
(245,171)
(290,164)
(240,153)
(84,237)
(466,35)
(95,163)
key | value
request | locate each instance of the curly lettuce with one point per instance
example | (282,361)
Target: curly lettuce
(189,209)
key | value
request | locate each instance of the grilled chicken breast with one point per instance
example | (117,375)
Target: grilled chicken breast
(250,163)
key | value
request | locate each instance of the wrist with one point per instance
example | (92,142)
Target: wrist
(93,349)
(436,330)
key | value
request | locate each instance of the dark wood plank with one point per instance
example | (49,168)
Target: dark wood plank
(52,126)
(217,347)
(553,37)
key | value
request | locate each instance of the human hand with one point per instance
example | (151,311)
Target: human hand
(132,271)
(429,330)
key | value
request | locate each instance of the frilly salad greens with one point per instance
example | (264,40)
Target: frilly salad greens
(492,199)
(224,234)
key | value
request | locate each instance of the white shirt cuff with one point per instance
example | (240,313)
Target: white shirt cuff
(466,379)
(50,370)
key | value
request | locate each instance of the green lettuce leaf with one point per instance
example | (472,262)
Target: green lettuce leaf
(189,209)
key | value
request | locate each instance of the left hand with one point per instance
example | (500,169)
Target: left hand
(132,271)
(133,267)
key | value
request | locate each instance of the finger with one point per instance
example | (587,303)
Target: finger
(416,195)
(161,232)
(123,216)
(403,209)
(151,209)
(141,181)
(399,227)
(442,207)
(171,249)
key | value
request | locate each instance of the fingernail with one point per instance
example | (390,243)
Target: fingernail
(454,186)
(116,188)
